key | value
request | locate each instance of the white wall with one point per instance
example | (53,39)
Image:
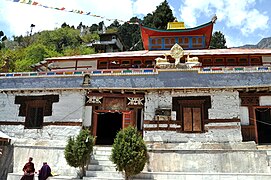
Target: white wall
(48,143)
(265,100)
(224,105)
(9,111)
(70,108)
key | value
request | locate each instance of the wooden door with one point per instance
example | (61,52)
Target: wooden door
(127,119)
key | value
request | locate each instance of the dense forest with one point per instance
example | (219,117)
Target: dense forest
(20,52)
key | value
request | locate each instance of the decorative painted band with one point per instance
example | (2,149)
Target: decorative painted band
(94,73)
(235,69)
(112,72)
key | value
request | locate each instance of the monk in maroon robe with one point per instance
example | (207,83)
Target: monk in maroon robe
(29,170)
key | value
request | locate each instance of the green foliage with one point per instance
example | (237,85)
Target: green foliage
(114,24)
(60,39)
(32,55)
(70,153)
(25,51)
(218,40)
(129,152)
(2,38)
(8,58)
(130,35)
(160,17)
(90,37)
(81,50)
(77,151)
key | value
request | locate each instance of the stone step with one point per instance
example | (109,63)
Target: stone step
(100,157)
(268,152)
(104,174)
(106,178)
(92,167)
(100,178)
(102,148)
(98,151)
(101,162)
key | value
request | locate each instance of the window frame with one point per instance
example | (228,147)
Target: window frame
(192,105)
(203,102)
(34,121)
(29,107)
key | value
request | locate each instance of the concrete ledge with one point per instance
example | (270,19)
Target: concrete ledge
(16,176)
(201,176)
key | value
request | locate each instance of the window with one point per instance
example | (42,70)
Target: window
(192,111)
(34,108)
(102,65)
(255,61)
(231,61)
(207,62)
(243,61)
(149,63)
(219,62)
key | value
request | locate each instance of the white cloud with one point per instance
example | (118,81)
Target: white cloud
(20,16)
(145,6)
(240,14)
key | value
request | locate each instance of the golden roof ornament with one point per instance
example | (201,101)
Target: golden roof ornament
(177,53)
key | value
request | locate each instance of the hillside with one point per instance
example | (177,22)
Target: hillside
(265,43)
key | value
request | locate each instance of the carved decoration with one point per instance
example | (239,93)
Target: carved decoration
(94,99)
(114,103)
(250,101)
(177,53)
(135,101)
(86,80)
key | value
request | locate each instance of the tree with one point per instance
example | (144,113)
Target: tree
(160,17)
(218,41)
(129,152)
(8,58)
(130,35)
(94,28)
(60,39)
(77,151)
(33,54)
(2,38)
(113,27)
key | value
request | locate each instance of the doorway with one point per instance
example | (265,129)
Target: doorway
(108,125)
(263,121)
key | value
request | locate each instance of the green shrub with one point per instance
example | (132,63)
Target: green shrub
(129,152)
(78,151)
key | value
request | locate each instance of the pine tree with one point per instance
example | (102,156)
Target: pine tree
(129,152)
(218,41)
(77,151)
(160,17)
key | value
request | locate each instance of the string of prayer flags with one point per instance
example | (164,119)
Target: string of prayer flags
(35,3)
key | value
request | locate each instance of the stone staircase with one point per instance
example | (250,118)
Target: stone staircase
(266,148)
(101,168)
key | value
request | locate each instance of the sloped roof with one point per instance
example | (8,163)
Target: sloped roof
(4,136)
(146,53)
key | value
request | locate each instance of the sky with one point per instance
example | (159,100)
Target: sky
(241,21)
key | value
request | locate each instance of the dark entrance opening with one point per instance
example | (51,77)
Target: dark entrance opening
(263,120)
(108,125)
